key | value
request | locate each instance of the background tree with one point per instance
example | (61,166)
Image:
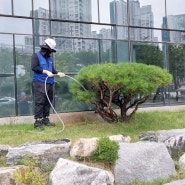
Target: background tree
(122,86)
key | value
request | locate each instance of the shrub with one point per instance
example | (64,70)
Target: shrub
(106,151)
(29,175)
(124,85)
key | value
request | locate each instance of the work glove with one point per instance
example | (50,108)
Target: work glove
(49,74)
(61,74)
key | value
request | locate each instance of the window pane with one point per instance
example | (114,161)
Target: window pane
(24,51)
(176,14)
(73,54)
(147,13)
(141,34)
(147,53)
(121,13)
(107,51)
(176,57)
(15,25)
(122,32)
(7,96)
(82,30)
(41,27)
(6,7)
(41,8)
(71,29)
(72,10)
(94,10)
(6,54)
(122,52)
(25,9)
(107,11)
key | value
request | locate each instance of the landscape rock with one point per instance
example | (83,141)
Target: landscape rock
(83,148)
(46,154)
(68,172)
(178,182)
(163,135)
(175,145)
(4,149)
(143,162)
(148,136)
(120,138)
(6,175)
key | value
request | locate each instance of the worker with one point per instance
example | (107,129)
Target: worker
(43,67)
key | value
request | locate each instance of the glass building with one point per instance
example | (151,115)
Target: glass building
(88,32)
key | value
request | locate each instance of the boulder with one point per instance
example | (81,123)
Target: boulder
(83,148)
(4,149)
(143,162)
(178,182)
(175,145)
(6,175)
(120,138)
(46,153)
(68,172)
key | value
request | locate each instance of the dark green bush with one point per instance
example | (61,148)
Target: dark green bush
(106,151)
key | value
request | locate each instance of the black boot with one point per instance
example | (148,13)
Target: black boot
(38,124)
(46,122)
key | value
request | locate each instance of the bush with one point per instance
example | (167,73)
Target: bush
(29,175)
(124,85)
(106,151)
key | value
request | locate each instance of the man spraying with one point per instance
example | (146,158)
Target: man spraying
(43,67)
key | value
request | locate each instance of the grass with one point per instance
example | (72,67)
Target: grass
(16,134)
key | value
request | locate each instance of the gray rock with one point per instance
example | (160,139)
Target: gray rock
(178,182)
(4,149)
(72,173)
(163,135)
(46,154)
(148,136)
(143,162)
(175,145)
(6,175)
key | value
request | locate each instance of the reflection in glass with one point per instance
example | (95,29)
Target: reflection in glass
(73,54)
(71,29)
(6,54)
(41,8)
(107,51)
(120,17)
(6,7)
(23,8)
(122,52)
(147,53)
(175,8)
(107,11)
(147,13)
(122,33)
(64,101)
(24,51)
(41,27)
(83,30)
(7,96)
(142,34)
(71,10)
(176,21)
(15,25)
(176,59)
(94,10)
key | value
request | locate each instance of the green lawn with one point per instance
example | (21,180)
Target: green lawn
(151,121)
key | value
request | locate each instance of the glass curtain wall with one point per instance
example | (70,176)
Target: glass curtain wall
(89,32)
